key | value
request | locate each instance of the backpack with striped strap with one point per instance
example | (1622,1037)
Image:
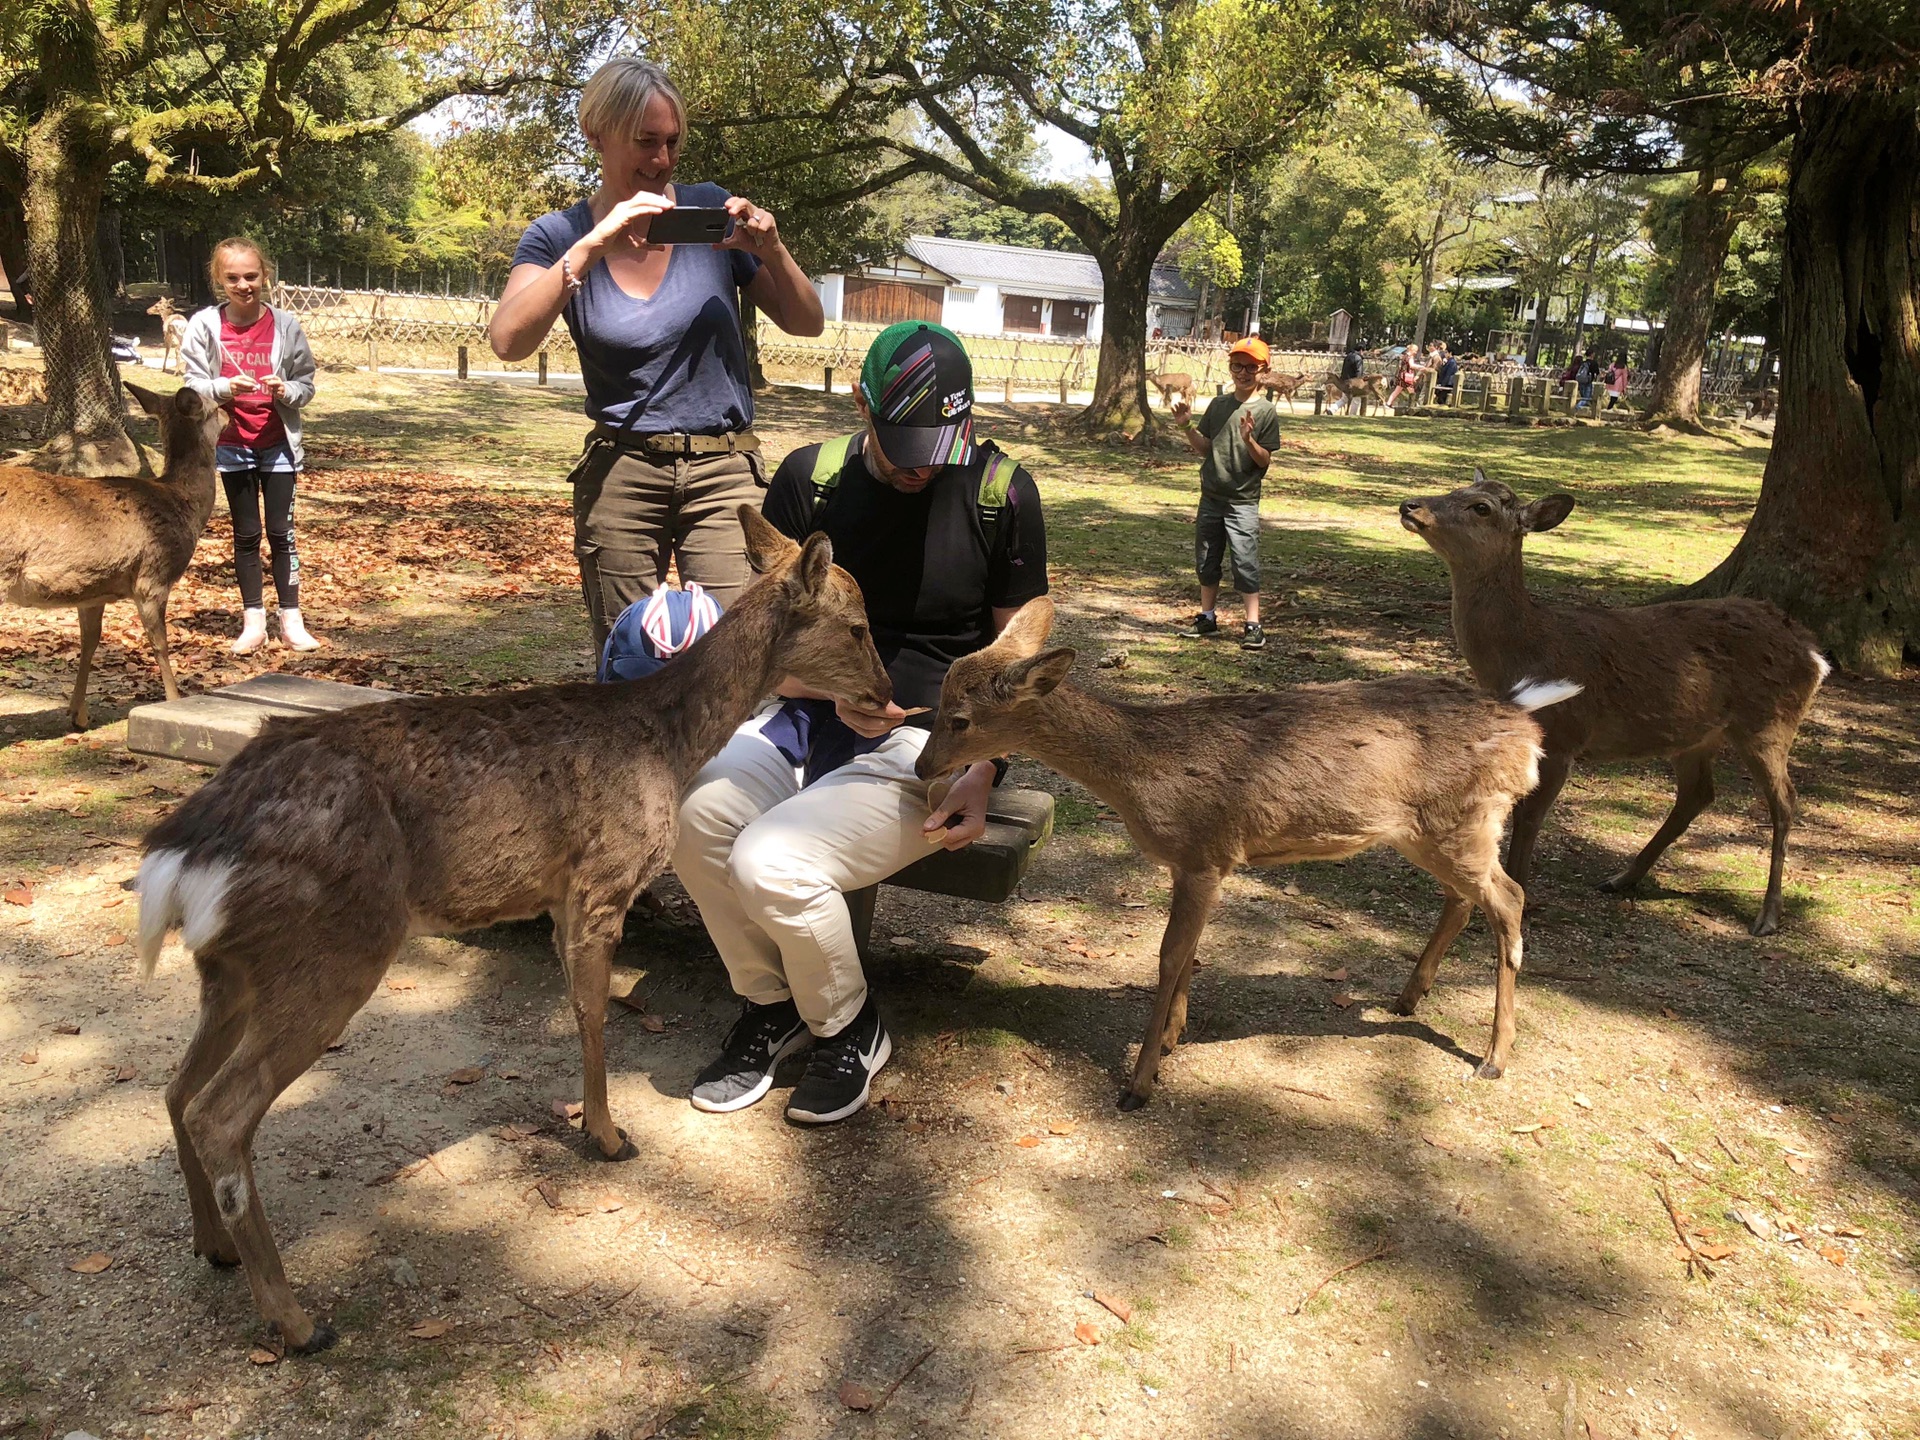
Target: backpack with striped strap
(996,486)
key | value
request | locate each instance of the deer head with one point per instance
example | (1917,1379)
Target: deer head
(1481,526)
(190,424)
(989,696)
(163,307)
(825,643)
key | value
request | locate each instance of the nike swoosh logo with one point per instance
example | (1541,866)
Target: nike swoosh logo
(872,1050)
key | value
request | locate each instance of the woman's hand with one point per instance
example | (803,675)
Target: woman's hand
(274,386)
(625,227)
(966,799)
(243,384)
(754,230)
(869,724)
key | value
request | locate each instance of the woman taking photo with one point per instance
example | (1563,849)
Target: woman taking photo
(672,452)
(255,362)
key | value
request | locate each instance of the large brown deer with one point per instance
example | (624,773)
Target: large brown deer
(297,872)
(173,330)
(1276,384)
(1674,681)
(67,541)
(1171,383)
(1312,772)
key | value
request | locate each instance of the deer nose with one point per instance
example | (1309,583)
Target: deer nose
(1413,514)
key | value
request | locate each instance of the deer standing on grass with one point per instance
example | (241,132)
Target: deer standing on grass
(1171,383)
(296,873)
(1283,386)
(173,329)
(1312,772)
(1676,681)
(67,541)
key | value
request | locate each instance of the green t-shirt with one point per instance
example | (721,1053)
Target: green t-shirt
(1227,471)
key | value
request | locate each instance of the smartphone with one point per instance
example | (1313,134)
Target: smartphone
(689,225)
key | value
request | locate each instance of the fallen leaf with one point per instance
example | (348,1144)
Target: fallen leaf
(514,1134)
(1668,1149)
(550,1193)
(1060,1127)
(1546,1124)
(1341,999)
(1438,1144)
(91,1264)
(507,1074)
(66,1029)
(394,982)
(429,1329)
(124,1073)
(1594,1432)
(32,1057)
(609,1203)
(1669,1012)
(1336,975)
(19,893)
(1757,1224)
(466,1075)
(1849,1232)
(567,1109)
(116,938)
(1583,1102)
(1027,1142)
(1120,1309)
(1086,1333)
(1833,1255)
(1797,1165)
(1715,1252)
(260,1355)
(855,1397)
(653,1024)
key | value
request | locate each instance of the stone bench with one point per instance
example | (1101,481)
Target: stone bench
(210,729)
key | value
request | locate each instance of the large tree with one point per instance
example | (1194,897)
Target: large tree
(201,99)
(1835,537)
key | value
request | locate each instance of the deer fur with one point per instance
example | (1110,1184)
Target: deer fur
(81,542)
(297,872)
(1311,772)
(1283,386)
(173,329)
(1675,681)
(1171,383)
(1371,386)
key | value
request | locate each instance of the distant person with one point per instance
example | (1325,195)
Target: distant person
(254,361)
(672,453)
(1352,365)
(1235,440)
(1584,376)
(1447,376)
(1617,377)
(1406,376)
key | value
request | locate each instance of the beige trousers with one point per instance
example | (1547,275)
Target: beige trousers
(770,864)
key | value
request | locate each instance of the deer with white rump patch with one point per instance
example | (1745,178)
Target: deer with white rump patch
(1311,772)
(297,872)
(173,329)
(1677,680)
(84,542)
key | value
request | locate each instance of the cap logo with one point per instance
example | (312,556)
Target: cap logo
(958,403)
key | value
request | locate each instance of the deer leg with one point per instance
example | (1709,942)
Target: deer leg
(90,616)
(153,619)
(222,1020)
(1505,905)
(1532,811)
(1768,766)
(1693,775)
(1193,896)
(590,935)
(1453,919)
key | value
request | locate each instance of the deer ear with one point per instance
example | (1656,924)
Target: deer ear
(816,559)
(1545,513)
(1028,630)
(158,406)
(1031,678)
(766,546)
(1479,476)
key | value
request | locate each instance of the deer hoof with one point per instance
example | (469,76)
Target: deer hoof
(324,1337)
(627,1151)
(1620,884)
(220,1259)
(1131,1101)
(1767,924)
(1489,1071)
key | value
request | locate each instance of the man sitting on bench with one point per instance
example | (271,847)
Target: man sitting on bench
(809,800)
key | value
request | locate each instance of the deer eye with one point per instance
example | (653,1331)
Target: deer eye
(859,632)
(958,722)
(1481,507)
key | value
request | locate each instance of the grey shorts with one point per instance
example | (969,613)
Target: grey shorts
(1224,529)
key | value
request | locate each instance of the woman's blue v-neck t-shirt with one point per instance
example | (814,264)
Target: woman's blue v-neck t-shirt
(674,362)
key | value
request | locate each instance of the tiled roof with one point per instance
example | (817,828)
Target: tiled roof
(1012,266)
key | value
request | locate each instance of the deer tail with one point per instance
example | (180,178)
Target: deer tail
(1532,695)
(179,891)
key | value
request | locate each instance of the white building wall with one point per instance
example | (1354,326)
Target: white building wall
(833,290)
(973,309)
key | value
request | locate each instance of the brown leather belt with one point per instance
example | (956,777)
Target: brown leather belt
(673,443)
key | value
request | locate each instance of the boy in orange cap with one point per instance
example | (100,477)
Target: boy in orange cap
(1235,440)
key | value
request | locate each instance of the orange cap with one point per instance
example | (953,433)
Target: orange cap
(1252,346)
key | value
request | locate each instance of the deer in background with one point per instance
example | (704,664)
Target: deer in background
(1283,386)
(296,873)
(173,329)
(1171,383)
(1311,772)
(1675,681)
(80,542)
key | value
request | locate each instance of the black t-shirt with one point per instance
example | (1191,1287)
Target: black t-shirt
(923,565)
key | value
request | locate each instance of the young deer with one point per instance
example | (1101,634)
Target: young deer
(66,541)
(1279,385)
(1171,383)
(173,329)
(1313,772)
(297,872)
(1677,680)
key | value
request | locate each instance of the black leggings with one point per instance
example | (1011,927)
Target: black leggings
(244,489)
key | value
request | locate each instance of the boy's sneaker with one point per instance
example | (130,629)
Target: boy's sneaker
(841,1069)
(1203,625)
(761,1038)
(1253,637)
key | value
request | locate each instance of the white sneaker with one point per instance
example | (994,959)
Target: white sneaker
(253,632)
(294,633)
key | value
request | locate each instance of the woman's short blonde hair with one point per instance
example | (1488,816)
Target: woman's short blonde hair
(618,93)
(238,242)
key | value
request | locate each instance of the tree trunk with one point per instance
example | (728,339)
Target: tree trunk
(1586,289)
(1835,537)
(67,159)
(1534,336)
(1120,384)
(1706,229)
(750,338)
(1427,264)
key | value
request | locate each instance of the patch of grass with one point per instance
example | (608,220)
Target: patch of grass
(14,1384)
(1906,1314)
(727,1411)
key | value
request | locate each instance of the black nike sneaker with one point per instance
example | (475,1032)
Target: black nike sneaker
(761,1038)
(841,1069)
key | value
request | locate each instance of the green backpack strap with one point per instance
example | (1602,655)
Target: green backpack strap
(996,490)
(827,465)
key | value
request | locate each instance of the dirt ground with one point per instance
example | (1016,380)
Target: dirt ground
(1320,1227)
